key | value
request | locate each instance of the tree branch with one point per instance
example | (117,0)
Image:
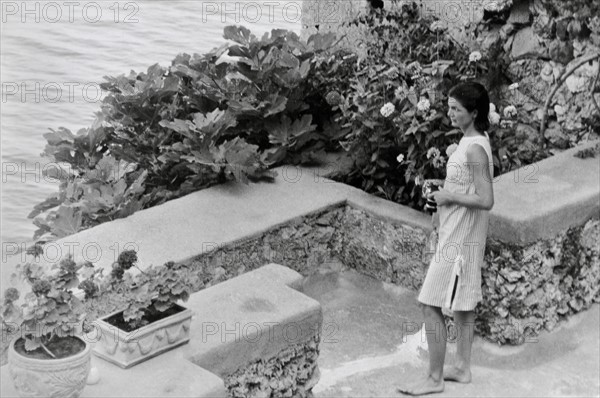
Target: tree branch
(558,84)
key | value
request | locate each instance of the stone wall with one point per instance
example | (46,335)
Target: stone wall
(292,373)
(527,288)
(393,253)
(302,245)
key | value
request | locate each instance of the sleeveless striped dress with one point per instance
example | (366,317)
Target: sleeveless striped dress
(453,278)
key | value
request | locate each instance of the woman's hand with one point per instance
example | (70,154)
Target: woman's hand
(441,197)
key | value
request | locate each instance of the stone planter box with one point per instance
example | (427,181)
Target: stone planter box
(127,349)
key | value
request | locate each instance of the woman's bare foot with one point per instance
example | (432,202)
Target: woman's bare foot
(454,373)
(422,387)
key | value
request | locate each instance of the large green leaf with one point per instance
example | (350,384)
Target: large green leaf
(243,107)
(214,122)
(183,127)
(67,222)
(59,136)
(274,104)
(273,155)
(183,70)
(319,41)
(286,133)
(109,169)
(239,51)
(238,34)
(288,60)
(50,203)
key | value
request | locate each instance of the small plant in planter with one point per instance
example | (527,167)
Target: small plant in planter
(152,321)
(48,356)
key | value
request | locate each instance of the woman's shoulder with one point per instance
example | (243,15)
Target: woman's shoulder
(478,151)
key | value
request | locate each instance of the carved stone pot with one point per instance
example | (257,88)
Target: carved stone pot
(127,349)
(64,377)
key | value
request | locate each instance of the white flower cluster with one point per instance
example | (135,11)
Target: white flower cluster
(399,93)
(423,105)
(414,69)
(387,110)
(437,26)
(433,151)
(493,116)
(439,162)
(474,56)
(576,84)
(510,111)
(560,111)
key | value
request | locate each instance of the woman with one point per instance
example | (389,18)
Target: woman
(454,276)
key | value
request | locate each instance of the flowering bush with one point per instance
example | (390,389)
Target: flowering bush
(393,103)
(514,141)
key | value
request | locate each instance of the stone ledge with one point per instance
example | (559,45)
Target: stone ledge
(539,201)
(250,316)
(283,275)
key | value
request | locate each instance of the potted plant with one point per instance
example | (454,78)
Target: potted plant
(48,355)
(152,322)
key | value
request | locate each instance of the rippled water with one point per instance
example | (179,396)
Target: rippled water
(46,65)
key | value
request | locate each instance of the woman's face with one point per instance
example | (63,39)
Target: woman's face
(459,115)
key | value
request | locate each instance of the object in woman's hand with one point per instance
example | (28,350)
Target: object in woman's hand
(430,205)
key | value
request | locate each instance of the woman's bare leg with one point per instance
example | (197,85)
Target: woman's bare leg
(435,329)
(461,371)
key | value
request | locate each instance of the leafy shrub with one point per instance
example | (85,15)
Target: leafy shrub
(149,292)
(50,311)
(171,131)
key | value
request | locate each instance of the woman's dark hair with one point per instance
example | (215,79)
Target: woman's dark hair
(473,97)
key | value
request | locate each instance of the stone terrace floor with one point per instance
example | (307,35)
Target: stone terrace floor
(363,355)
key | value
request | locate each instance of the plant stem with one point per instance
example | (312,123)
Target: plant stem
(47,350)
